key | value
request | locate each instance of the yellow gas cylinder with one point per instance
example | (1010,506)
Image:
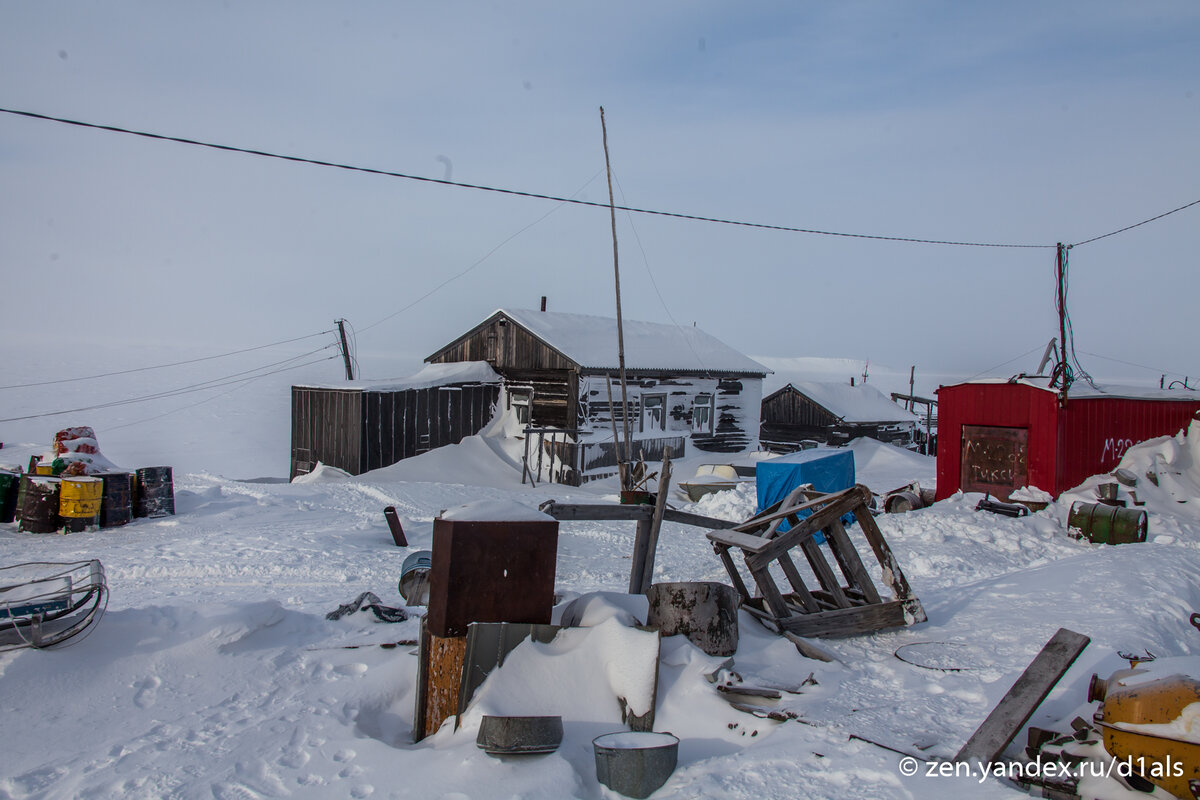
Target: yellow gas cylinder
(1153,724)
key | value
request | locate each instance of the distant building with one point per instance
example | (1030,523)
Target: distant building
(685,388)
(832,413)
(995,436)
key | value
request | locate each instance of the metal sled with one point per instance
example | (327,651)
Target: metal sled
(45,603)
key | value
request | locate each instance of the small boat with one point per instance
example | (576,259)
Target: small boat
(710,478)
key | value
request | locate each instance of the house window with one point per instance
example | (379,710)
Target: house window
(702,414)
(654,412)
(519,400)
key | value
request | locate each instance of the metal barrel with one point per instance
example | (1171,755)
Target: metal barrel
(39,508)
(155,495)
(79,502)
(10,483)
(116,503)
(1105,524)
(414,578)
(704,612)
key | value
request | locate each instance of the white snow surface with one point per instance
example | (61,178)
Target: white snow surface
(588,341)
(426,378)
(215,673)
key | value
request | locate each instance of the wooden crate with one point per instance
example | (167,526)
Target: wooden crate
(829,608)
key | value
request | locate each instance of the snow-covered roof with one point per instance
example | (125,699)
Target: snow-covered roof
(591,342)
(1081,389)
(861,403)
(430,376)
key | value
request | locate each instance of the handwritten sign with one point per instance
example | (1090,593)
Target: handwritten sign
(993,459)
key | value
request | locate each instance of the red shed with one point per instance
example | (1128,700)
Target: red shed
(997,436)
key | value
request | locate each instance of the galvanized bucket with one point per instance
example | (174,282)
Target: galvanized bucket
(635,764)
(414,578)
(1105,524)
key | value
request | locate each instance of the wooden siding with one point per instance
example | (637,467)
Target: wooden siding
(327,426)
(505,345)
(357,430)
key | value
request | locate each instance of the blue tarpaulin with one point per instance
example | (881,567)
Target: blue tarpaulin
(827,470)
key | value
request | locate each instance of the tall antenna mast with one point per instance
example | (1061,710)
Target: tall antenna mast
(622,462)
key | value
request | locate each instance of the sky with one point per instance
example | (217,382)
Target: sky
(1018,123)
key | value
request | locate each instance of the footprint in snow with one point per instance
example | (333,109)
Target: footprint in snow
(147,691)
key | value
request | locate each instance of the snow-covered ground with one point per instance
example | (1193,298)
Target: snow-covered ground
(215,673)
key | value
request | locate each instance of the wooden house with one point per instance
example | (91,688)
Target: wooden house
(684,388)
(358,426)
(999,435)
(832,413)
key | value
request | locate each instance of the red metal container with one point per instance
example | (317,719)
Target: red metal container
(998,436)
(491,572)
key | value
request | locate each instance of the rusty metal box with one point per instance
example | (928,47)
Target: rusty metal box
(491,572)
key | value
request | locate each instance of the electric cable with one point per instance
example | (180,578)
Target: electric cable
(1135,225)
(163,366)
(516,192)
(1006,363)
(204,386)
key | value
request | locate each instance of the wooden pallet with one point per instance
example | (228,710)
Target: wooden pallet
(830,609)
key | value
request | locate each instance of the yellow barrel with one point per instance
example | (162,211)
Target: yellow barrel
(44,469)
(79,502)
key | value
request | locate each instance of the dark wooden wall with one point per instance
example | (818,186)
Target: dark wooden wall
(359,430)
(327,426)
(504,346)
(789,417)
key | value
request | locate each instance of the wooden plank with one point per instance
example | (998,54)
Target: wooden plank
(760,520)
(824,573)
(770,592)
(712,523)
(793,575)
(726,559)
(1018,705)
(637,569)
(660,504)
(743,541)
(892,573)
(598,511)
(810,525)
(850,563)
(846,621)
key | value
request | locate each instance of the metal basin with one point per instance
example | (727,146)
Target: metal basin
(515,736)
(635,764)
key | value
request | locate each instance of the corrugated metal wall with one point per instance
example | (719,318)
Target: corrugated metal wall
(1065,446)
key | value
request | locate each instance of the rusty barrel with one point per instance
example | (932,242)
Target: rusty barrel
(10,486)
(79,502)
(116,503)
(155,493)
(39,506)
(1105,524)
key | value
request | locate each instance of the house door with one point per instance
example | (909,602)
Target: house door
(654,413)
(994,459)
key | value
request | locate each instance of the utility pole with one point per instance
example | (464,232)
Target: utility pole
(1061,267)
(612,209)
(341,324)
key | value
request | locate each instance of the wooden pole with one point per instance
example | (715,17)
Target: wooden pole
(660,503)
(612,413)
(341,324)
(612,209)
(1062,321)
(912,375)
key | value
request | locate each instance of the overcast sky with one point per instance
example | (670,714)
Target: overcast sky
(1009,123)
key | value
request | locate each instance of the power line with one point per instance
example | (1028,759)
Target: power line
(1006,363)
(163,366)
(1136,225)
(215,383)
(518,193)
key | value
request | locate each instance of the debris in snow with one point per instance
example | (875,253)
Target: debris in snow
(369,601)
